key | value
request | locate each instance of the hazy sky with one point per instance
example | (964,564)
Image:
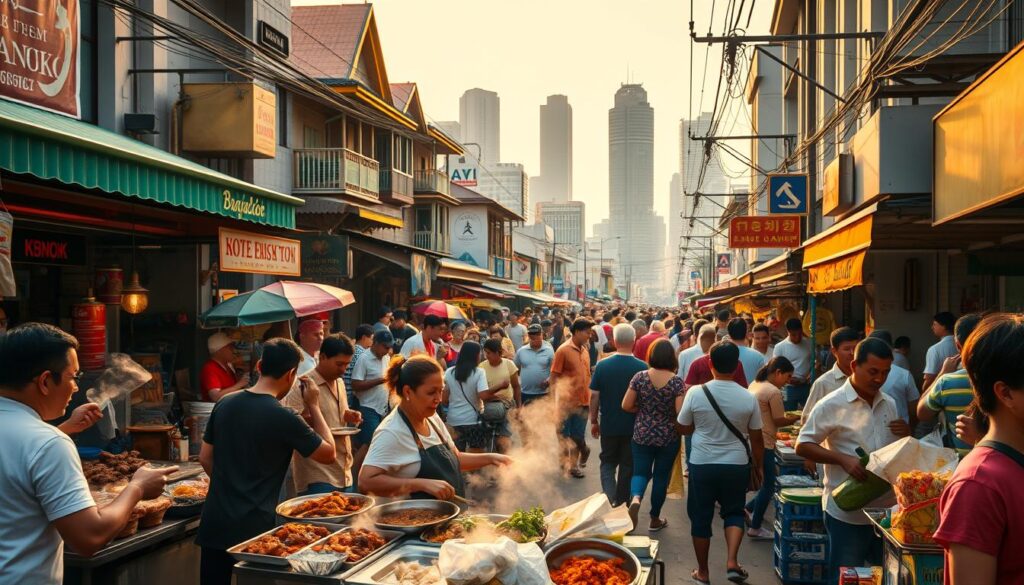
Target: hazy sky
(527,49)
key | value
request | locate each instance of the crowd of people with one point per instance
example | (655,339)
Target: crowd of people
(663,392)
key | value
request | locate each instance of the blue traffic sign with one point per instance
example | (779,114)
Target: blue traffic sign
(787,194)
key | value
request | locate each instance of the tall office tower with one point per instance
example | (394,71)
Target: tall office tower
(480,119)
(568,219)
(508,184)
(452,128)
(675,226)
(555,181)
(713,188)
(631,188)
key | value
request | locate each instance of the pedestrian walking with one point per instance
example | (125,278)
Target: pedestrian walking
(842,342)
(656,396)
(371,392)
(705,339)
(766,388)
(534,362)
(516,331)
(981,511)
(945,347)
(570,377)
(751,360)
(796,347)
(724,461)
(762,341)
(502,373)
(465,390)
(952,393)
(610,420)
(362,339)
(900,384)
(643,343)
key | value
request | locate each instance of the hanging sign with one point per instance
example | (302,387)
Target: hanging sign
(39,43)
(772,231)
(723,261)
(324,256)
(258,254)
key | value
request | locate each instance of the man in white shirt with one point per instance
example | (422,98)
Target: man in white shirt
(427,340)
(311,336)
(858,414)
(516,331)
(705,339)
(44,497)
(900,384)
(797,349)
(750,358)
(369,387)
(942,327)
(842,341)
(762,341)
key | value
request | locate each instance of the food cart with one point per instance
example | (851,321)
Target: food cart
(906,564)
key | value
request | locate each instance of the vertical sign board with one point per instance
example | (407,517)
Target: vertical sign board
(837,194)
(723,261)
(420,277)
(39,60)
(462,171)
(469,234)
(325,257)
(787,194)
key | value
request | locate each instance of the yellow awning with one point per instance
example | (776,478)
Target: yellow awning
(380,218)
(836,275)
(842,239)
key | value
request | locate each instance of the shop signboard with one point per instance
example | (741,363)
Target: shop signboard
(523,272)
(271,38)
(258,254)
(723,262)
(39,44)
(38,247)
(836,275)
(469,235)
(837,193)
(462,171)
(771,231)
(558,284)
(325,257)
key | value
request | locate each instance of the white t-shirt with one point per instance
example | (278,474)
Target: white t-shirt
(394,449)
(307,365)
(370,367)
(712,441)
(41,481)
(901,386)
(517,333)
(752,361)
(460,411)
(415,345)
(938,353)
(797,353)
(686,359)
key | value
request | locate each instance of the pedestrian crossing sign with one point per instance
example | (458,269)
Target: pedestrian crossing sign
(787,194)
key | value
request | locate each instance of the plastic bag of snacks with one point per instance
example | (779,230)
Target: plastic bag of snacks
(915,487)
(917,494)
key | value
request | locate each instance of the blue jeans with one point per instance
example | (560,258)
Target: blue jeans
(659,460)
(851,545)
(575,425)
(795,396)
(716,482)
(371,420)
(319,487)
(760,502)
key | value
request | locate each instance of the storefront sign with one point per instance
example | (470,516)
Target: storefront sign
(324,257)
(243,206)
(48,248)
(773,231)
(39,54)
(724,263)
(469,235)
(271,38)
(836,275)
(258,254)
(462,171)
(837,194)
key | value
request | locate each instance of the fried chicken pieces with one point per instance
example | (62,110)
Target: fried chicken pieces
(286,540)
(357,542)
(333,504)
(110,468)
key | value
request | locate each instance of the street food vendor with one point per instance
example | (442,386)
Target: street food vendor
(44,497)
(218,378)
(310,338)
(412,452)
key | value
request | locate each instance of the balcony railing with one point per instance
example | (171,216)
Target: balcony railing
(431,241)
(500,267)
(396,185)
(336,170)
(432,181)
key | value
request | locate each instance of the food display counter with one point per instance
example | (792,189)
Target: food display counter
(165,554)
(906,564)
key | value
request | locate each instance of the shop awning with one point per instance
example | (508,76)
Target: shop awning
(834,259)
(480,291)
(518,292)
(53,147)
(457,270)
(396,256)
(334,207)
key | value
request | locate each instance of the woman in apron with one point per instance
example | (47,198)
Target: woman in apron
(412,453)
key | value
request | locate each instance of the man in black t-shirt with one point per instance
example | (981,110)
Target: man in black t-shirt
(246,451)
(401,329)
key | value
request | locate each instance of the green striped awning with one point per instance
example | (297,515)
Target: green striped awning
(53,147)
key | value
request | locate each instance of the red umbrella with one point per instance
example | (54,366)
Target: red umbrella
(440,309)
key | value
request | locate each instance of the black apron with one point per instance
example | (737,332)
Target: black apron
(437,462)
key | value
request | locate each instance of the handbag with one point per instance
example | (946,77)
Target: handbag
(754,483)
(492,412)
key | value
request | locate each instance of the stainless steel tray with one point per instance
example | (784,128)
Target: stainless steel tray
(381,570)
(368,503)
(236,551)
(448,508)
(391,536)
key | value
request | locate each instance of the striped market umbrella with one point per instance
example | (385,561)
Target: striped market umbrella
(439,308)
(279,301)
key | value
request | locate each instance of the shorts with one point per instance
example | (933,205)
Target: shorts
(713,483)
(575,425)
(371,420)
(470,437)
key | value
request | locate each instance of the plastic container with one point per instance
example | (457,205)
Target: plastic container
(198,415)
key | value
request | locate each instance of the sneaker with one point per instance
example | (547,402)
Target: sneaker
(584,456)
(577,473)
(760,533)
(634,513)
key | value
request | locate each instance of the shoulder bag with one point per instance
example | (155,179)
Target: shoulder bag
(755,477)
(492,412)
(1005,449)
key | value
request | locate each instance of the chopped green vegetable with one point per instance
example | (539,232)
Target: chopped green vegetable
(529,524)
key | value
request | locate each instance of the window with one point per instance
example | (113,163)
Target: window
(402,148)
(311,137)
(423,219)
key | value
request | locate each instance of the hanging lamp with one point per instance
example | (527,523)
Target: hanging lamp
(134,298)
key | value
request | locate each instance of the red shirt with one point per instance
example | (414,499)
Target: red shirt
(700,373)
(644,343)
(212,376)
(982,509)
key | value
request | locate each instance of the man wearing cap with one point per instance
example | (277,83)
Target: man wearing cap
(368,386)
(218,377)
(534,362)
(310,338)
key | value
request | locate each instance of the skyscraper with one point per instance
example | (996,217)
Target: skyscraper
(479,117)
(555,181)
(631,188)
(713,188)
(508,184)
(675,224)
(568,219)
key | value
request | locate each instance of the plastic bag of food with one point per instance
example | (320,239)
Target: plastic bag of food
(909,454)
(590,517)
(916,524)
(915,487)
(504,561)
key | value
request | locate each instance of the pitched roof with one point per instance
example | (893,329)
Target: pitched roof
(326,39)
(400,94)
(469,197)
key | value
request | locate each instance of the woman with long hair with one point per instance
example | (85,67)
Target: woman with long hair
(655,395)
(465,390)
(412,452)
(766,388)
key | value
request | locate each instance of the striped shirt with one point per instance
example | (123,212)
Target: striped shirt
(951,395)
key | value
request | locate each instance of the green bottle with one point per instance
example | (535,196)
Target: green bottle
(852,495)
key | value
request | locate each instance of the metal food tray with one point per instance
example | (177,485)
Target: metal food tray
(451,510)
(494,518)
(596,548)
(236,551)
(369,503)
(875,515)
(390,536)
(381,570)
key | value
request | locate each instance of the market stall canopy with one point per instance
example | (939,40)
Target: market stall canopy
(279,301)
(439,309)
(53,147)
(454,269)
(479,291)
(533,297)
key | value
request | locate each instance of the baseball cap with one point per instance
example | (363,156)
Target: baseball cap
(534,328)
(383,336)
(217,341)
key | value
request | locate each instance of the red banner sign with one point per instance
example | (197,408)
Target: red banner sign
(39,43)
(773,231)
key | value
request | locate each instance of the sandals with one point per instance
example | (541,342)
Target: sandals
(657,524)
(739,575)
(698,580)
